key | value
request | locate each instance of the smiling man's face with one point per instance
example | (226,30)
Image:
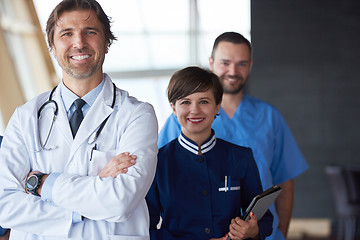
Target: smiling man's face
(231,63)
(79,44)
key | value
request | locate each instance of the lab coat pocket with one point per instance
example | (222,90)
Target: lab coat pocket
(114,237)
(98,161)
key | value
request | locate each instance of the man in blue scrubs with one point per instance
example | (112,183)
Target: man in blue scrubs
(251,122)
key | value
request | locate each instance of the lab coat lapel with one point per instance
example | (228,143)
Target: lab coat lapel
(62,121)
(98,112)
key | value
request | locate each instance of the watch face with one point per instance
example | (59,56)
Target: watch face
(32,182)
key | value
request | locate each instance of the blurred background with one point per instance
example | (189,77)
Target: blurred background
(306,63)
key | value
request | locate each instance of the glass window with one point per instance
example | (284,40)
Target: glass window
(216,17)
(14,29)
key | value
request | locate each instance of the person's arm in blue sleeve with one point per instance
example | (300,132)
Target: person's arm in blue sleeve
(2,231)
(6,234)
(169,131)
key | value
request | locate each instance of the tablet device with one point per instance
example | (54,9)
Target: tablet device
(261,203)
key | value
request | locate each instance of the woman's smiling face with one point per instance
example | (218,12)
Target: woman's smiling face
(195,113)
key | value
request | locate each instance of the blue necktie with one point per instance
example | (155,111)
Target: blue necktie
(77,116)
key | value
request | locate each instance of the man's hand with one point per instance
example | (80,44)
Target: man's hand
(239,229)
(118,164)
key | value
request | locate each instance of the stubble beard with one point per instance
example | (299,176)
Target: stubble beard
(80,72)
(231,90)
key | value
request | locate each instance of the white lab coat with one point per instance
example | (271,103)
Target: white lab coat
(114,208)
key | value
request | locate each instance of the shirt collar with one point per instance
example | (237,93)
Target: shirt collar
(191,146)
(68,97)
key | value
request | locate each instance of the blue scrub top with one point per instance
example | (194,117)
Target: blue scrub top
(189,194)
(260,126)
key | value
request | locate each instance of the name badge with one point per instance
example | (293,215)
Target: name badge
(228,186)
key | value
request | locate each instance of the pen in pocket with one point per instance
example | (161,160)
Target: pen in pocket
(92,150)
(226,183)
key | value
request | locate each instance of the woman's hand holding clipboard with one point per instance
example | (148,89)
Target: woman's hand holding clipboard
(261,203)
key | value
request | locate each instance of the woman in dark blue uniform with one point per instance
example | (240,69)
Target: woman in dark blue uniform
(203,183)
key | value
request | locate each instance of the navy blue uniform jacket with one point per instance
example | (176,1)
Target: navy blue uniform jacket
(189,194)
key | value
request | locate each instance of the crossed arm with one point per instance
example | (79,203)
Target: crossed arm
(117,165)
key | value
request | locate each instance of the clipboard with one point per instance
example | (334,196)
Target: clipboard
(261,203)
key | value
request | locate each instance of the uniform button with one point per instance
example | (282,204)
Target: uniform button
(201,159)
(207,230)
(204,192)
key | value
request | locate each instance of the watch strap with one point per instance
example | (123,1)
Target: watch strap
(39,180)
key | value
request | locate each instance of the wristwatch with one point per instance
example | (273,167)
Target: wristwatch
(33,183)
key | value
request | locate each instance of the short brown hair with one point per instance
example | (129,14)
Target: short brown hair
(70,5)
(232,37)
(191,80)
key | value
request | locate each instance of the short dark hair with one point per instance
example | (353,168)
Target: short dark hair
(191,80)
(69,5)
(232,37)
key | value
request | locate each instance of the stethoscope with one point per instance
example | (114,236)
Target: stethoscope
(93,137)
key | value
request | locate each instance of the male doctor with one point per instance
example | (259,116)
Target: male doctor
(61,179)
